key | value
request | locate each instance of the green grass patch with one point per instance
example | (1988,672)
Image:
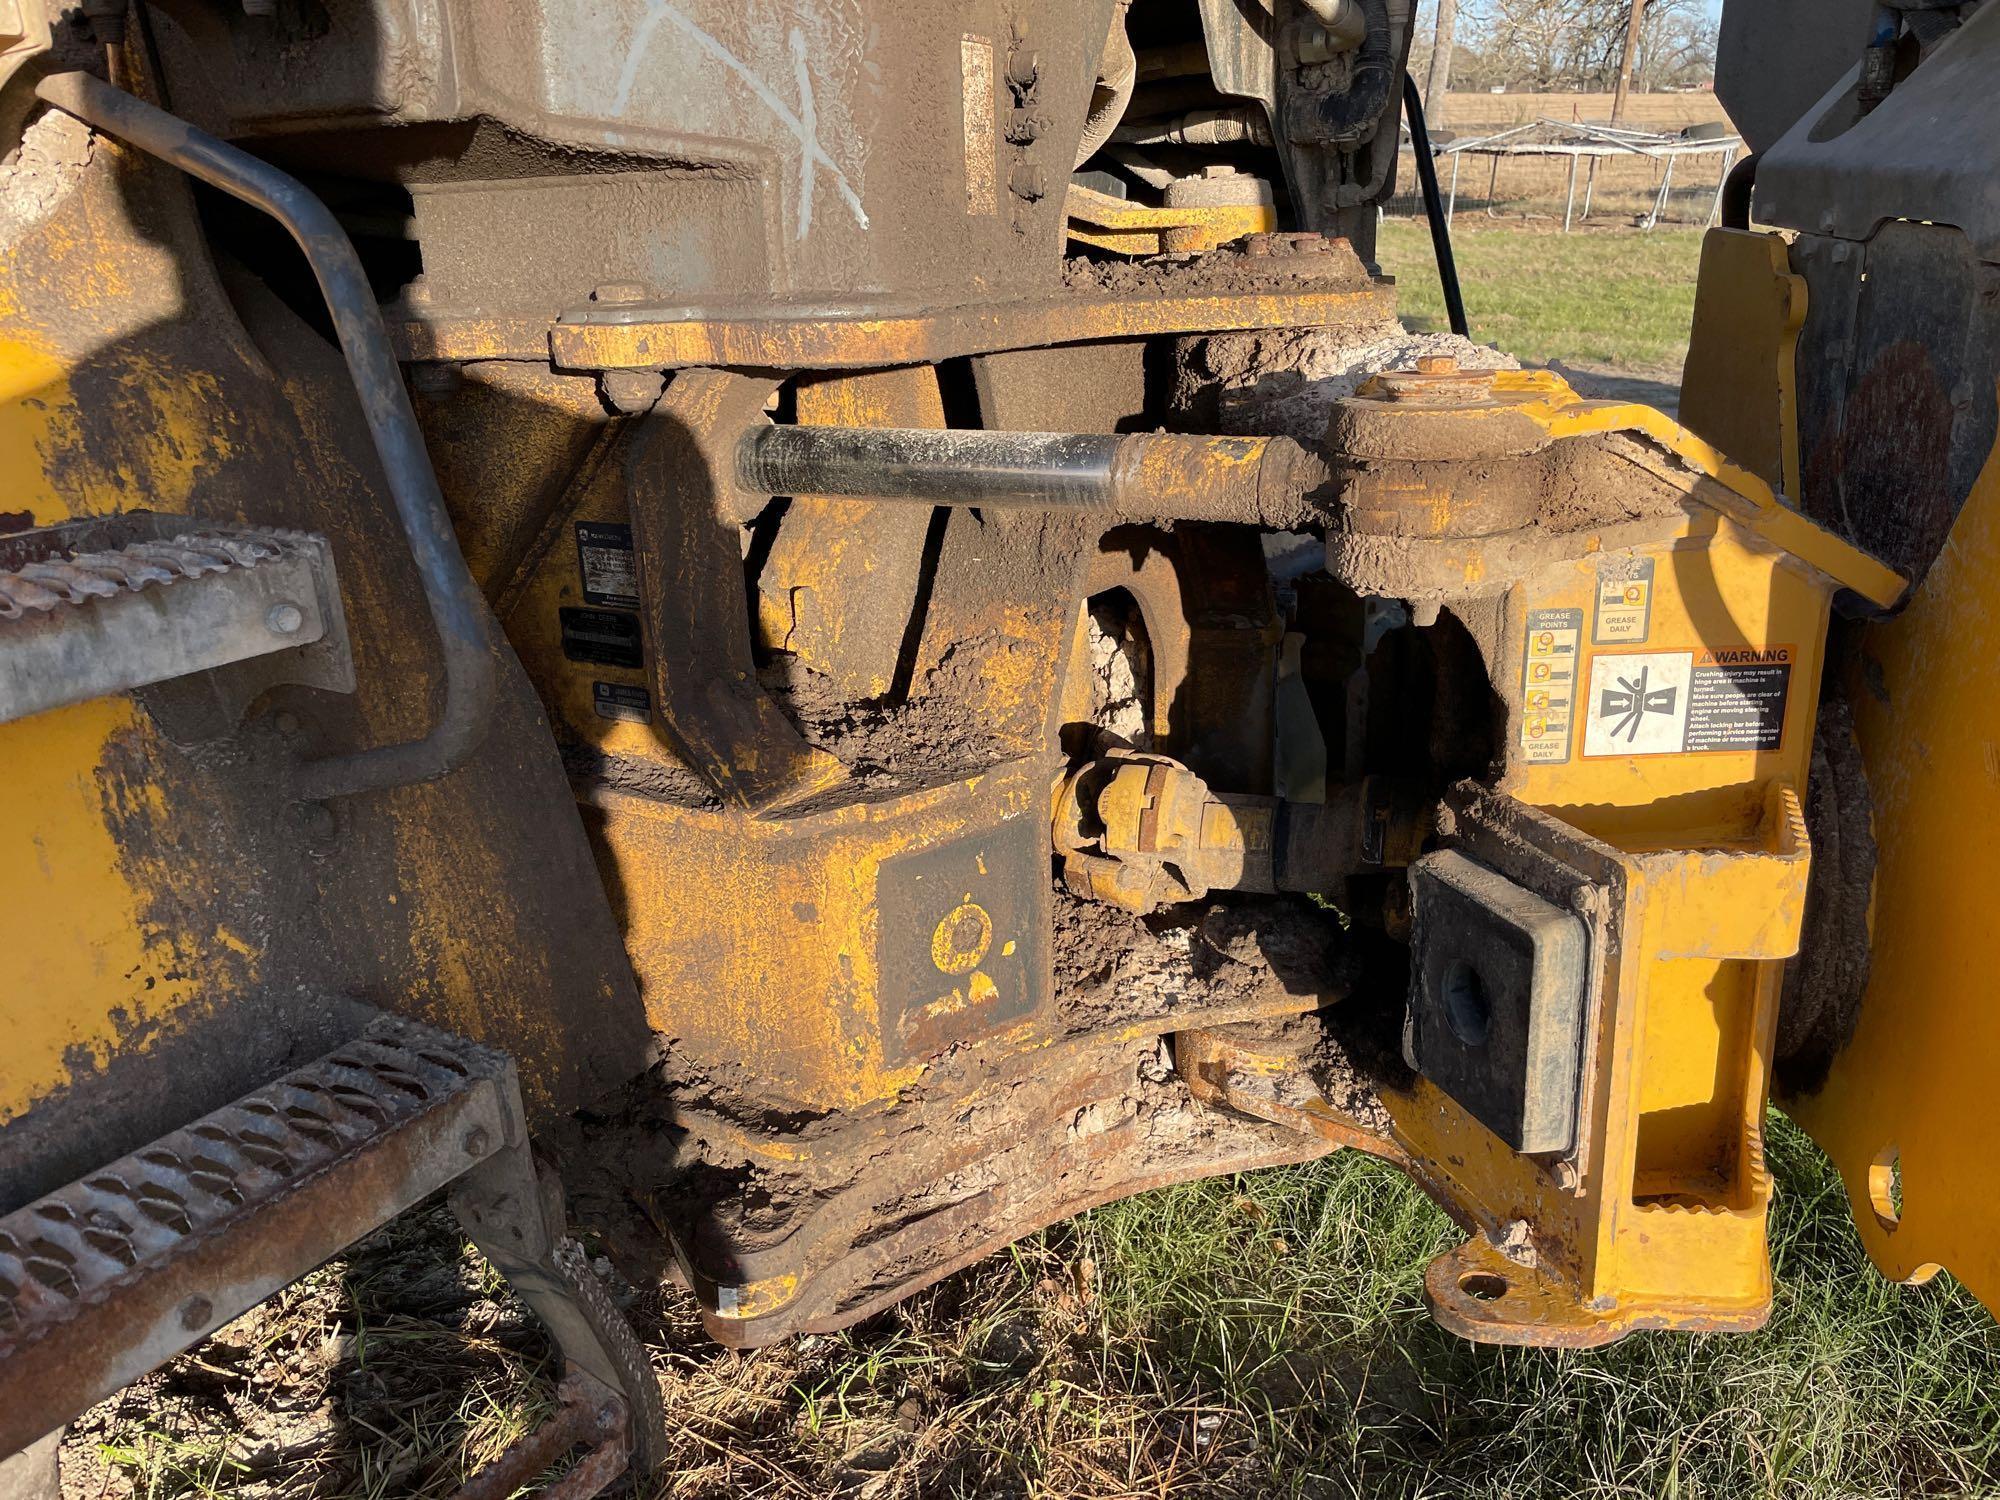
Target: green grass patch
(1615,298)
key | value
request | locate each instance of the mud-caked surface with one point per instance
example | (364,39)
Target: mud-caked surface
(1230,270)
(931,736)
(1283,383)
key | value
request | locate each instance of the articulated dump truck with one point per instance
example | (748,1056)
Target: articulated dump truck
(791,640)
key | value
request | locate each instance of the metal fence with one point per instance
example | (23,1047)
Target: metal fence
(1578,149)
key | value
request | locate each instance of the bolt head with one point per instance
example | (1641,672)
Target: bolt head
(632,392)
(477,1141)
(1437,364)
(284,618)
(195,1312)
(317,825)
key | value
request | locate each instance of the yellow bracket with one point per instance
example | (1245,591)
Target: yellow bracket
(1659,1222)
(1562,413)
(1134,229)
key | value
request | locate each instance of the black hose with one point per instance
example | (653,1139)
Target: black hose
(1345,115)
(1735,212)
(457,607)
(1427,178)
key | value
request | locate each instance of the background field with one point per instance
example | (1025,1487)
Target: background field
(1477,114)
(1241,1337)
(1531,190)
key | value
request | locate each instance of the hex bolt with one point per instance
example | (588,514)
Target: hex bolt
(195,1313)
(284,618)
(617,293)
(631,392)
(317,824)
(1565,1175)
(477,1142)
(1026,181)
(1436,364)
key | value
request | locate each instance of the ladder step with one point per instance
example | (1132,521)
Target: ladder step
(112,1275)
(105,605)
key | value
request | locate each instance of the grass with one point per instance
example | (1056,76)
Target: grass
(1613,298)
(1253,1336)
(1258,1336)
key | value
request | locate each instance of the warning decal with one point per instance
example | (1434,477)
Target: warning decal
(1548,684)
(1624,601)
(1638,705)
(1737,699)
(1681,702)
(604,558)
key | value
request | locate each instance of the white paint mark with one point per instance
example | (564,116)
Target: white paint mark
(805,129)
(808,130)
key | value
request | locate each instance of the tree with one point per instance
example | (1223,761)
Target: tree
(1634,24)
(1581,44)
(1443,39)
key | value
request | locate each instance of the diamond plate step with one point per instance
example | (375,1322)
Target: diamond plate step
(109,1277)
(106,605)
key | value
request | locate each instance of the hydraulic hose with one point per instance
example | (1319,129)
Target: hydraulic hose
(1427,178)
(1345,115)
(457,608)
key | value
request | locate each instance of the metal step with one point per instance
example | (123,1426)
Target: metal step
(107,1278)
(109,604)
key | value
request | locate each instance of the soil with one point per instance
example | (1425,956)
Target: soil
(661,780)
(931,737)
(1283,384)
(1121,672)
(55,148)
(1220,272)
(299,1381)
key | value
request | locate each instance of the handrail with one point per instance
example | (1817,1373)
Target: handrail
(457,607)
